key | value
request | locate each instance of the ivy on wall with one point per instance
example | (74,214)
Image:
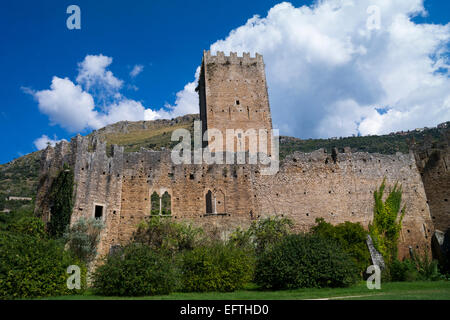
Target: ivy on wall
(61,202)
(387,221)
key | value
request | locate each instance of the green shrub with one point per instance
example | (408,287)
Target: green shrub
(403,270)
(82,238)
(351,236)
(34,267)
(217,267)
(304,261)
(136,271)
(427,268)
(28,225)
(164,234)
(262,233)
(7,219)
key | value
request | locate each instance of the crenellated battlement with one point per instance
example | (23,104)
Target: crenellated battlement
(233,58)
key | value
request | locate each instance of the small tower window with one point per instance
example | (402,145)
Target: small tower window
(237,102)
(98,212)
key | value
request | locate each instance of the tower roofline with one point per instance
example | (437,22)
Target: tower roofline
(233,57)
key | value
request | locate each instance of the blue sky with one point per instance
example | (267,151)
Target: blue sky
(167,39)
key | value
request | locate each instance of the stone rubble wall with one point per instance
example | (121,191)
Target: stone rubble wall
(308,186)
(433,163)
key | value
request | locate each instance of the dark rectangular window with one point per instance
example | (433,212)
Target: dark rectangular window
(98,212)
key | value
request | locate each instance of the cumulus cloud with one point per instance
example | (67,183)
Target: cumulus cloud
(92,71)
(44,141)
(68,105)
(94,101)
(328,73)
(136,70)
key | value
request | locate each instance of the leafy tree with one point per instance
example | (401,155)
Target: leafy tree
(387,221)
(264,233)
(82,238)
(163,234)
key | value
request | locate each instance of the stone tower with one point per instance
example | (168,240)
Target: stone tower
(233,95)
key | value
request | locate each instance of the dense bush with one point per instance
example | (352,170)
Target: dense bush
(82,238)
(419,267)
(164,234)
(217,267)
(403,270)
(136,271)
(34,267)
(305,261)
(351,236)
(426,267)
(262,234)
(21,222)
(27,225)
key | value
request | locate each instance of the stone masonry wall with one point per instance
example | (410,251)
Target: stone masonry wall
(233,94)
(433,163)
(308,186)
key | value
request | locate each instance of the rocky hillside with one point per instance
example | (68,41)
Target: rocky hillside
(20,176)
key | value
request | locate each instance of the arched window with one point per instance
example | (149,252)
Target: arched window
(155,204)
(166,204)
(209,207)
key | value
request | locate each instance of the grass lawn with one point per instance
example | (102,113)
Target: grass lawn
(424,290)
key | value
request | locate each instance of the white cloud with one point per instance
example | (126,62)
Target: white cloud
(127,109)
(136,70)
(75,107)
(44,141)
(92,71)
(327,73)
(68,105)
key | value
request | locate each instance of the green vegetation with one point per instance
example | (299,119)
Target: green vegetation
(159,233)
(305,261)
(136,271)
(61,203)
(83,237)
(155,135)
(32,265)
(384,144)
(418,267)
(420,290)
(352,238)
(387,221)
(216,267)
(263,233)
(168,258)
(19,178)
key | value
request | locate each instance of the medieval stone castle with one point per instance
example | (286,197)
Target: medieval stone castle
(120,187)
